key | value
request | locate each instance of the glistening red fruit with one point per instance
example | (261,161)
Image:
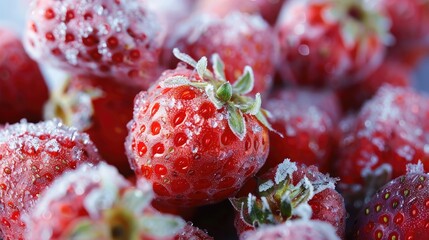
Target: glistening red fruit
(398,210)
(114,38)
(195,137)
(32,156)
(23,90)
(330,43)
(389,132)
(307,120)
(100,107)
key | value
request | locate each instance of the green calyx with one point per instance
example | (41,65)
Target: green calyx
(279,199)
(222,93)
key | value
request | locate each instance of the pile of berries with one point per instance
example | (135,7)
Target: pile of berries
(215,119)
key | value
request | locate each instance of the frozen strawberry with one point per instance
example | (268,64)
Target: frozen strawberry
(171,12)
(409,27)
(238,38)
(195,136)
(102,37)
(102,108)
(32,156)
(23,90)
(390,131)
(390,72)
(293,230)
(98,203)
(330,43)
(398,210)
(290,192)
(268,9)
(194,233)
(306,121)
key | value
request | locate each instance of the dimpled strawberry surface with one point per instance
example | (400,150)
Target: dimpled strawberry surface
(214,119)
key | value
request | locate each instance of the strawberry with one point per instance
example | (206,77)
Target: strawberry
(194,233)
(410,26)
(32,156)
(195,136)
(330,43)
(88,103)
(268,9)
(98,203)
(390,72)
(389,132)
(239,39)
(23,90)
(288,192)
(114,38)
(398,209)
(294,230)
(307,121)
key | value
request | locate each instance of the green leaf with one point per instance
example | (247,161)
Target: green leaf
(175,81)
(255,106)
(184,57)
(245,82)
(161,225)
(236,122)
(224,92)
(285,207)
(218,67)
(202,67)
(212,96)
(263,120)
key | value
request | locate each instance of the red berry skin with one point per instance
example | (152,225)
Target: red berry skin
(114,38)
(32,156)
(102,108)
(319,48)
(306,121)
(240,40)
(392,72)
(397,211)
(268,9)
(184,146)
(375,146)
(23,90)
(409,22)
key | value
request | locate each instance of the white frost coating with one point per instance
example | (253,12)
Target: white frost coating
(80,179)
(303,211)
(284,170)
(415,168)
(266,186)
(294,229)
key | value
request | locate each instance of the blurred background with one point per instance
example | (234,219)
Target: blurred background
(12,13)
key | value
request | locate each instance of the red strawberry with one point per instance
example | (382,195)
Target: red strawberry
(398,210)
(32,156)
(289,192)
(192,233)
(23,90)
(410,26)
(239,39)
(100,37)
(98,203)
(268,9)
(102,108)
(389,132)
(194,135)
(307,120)
(294,230)
(330,43)
(389,72)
